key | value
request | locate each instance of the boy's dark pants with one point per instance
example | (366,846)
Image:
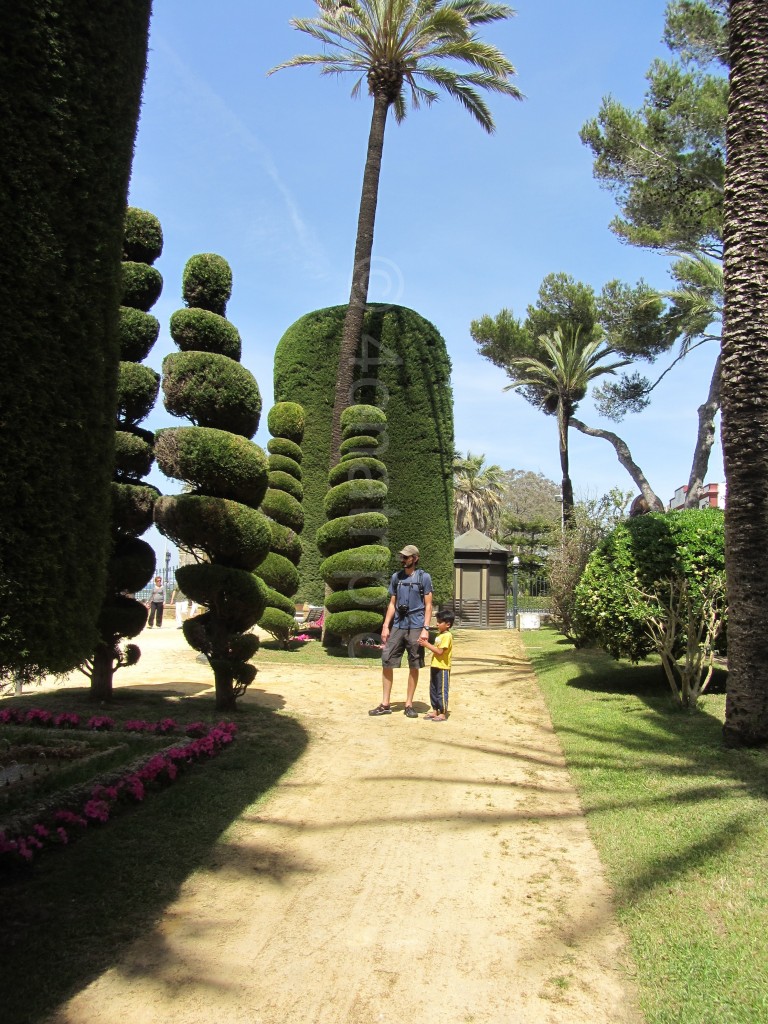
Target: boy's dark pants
(438,689)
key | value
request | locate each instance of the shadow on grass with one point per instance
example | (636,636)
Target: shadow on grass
(69,918)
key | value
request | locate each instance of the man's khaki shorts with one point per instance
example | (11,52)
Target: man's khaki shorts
(400,640)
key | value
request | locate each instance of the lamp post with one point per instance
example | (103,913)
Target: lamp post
(167,570)
(515,568)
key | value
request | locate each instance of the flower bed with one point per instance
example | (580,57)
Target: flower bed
(24,841)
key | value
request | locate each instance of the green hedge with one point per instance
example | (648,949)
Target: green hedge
(358,468)
(133,456)
(285,541)
(212,390)
(415,381)
(283,508)
(141,285)
(142,236)
(132,508)
(351,532)
(280,481)
(284,464)
(286,420)
(67,138)
(214,462)
(358,567)
(372,599)
(288,449)
(236,598)
(353,447)
(203,331)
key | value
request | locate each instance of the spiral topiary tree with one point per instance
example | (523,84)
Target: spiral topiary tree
(132,560)
(226,474)
(403,368)
(282,505)
(353,541)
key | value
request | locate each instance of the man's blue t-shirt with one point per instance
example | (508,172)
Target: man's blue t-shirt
(408,591)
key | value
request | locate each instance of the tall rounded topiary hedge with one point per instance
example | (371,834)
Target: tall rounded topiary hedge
(282,504)
(67,143)
(133,560)
(354,540)
(404,369)
(216,519)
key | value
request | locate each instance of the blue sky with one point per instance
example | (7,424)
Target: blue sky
(266,171)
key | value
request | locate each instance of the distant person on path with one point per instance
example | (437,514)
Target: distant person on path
(185,607)
(156,603)
(440,668)
(408,613)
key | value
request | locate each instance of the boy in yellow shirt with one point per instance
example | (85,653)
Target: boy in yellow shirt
(440,669)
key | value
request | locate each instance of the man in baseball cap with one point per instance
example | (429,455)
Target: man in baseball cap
(408,614)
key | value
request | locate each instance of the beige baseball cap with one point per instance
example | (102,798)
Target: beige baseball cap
(410,551)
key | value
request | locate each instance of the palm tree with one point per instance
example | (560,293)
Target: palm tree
(478,492)
(561,376)
(745,374)
(399,47)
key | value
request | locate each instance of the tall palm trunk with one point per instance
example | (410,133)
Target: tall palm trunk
(745,375)
(563,419)
(704,439)
(361,271)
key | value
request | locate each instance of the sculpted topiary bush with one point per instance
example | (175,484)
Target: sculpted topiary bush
(657,584)
(278,570)
(132,561)
(403,369)
(217,521)
(356,563)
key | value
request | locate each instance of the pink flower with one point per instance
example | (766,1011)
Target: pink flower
(97,810)
(101,723)
(67,720)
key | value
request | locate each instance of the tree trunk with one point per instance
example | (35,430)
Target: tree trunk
(624,456)
(567,486)
(704,439)
(745,375)
(361,272)
(103,671)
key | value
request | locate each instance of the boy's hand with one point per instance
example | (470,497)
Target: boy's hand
(423,641)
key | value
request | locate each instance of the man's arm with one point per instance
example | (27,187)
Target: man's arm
(427,613)
(388,616)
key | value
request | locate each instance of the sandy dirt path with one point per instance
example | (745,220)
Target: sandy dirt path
(403,872)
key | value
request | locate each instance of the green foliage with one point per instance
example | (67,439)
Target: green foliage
(361,567)
(214,462)
(354,495)
(227,532)
(407,356)
(122,617)
(235,600)
(284,509)
(279,573)
(285,541)
(137,388)
(358,468)
(286,420)
(653,569)
(142,237)
(278,623)
(133,456)
(282,447)
(67,143)
(352,623)
(354,447)
(201,330)
(132,510)
(207,282)
(351,531)
(362,421)
(280,481)
(285,464)
(141,285)
(371,599)
(138,332)
(131,565)
(665,163)
(278,601)
(212,391)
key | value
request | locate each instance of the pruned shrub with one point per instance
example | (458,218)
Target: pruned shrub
(282,446)
(132,510)
(142,285)
(137,388)
(283,508)
(212,390)
(351,532)
(657,584)
(219,520)
(207,282)
(138,331)
(133,455)
(200,330)
(143,238)
(354,495)
(358,468)
(281,481)
(353,447)
(214,462)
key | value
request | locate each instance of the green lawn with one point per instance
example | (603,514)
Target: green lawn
(681,824)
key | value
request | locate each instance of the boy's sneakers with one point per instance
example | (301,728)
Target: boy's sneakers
(410,712)
(382,709)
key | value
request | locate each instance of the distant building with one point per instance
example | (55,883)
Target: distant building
(710,496)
